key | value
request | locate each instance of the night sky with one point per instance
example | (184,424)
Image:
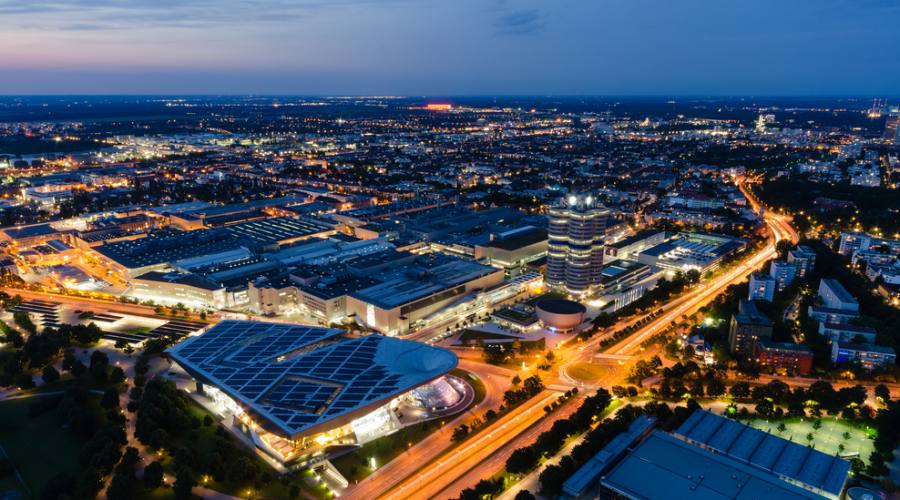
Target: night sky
(451,47)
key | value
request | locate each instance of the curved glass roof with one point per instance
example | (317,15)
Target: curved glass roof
(294,379)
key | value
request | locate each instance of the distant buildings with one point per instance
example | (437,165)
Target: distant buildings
(857,241)
(577,228)
(892,127)
(747,327)
(762,287)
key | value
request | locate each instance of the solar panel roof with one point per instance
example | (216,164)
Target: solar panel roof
(295,379)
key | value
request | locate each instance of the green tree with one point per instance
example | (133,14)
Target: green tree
(552,478)
(49,374)
(116,375)
(715,387)
(23,320)
(740,390)
(524,495)
(153,475)
(120,487)
(522,460)
(184,483)
(460,433)
(24,381)
(883,393)
(110,398)
(99,366)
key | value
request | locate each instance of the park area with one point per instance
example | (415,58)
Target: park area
(37,447)
(834,437)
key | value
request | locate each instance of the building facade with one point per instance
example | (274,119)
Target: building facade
(804,258)
(783,357)
(575,245)
(783,273)
(747,327)
(762,287)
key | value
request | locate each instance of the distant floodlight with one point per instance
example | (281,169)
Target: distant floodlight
(588,200)
(573,200)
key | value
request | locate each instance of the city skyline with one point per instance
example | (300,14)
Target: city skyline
(449,48)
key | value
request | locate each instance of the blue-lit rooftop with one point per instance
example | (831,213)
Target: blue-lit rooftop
(297,380)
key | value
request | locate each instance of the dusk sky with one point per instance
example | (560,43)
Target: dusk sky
(451,47)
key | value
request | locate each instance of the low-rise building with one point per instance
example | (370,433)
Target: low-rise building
(869,356)
(513,248)
(713,457)
(846,332)
(190,289)
(409,293)
(686,251)
(824,314)
(630,247)
(783,357)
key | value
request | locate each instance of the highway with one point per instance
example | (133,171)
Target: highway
(496,462)
(442,473)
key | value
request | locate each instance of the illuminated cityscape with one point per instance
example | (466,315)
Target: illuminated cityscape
(588,250)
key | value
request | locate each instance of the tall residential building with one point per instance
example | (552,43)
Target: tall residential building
(783,272)
(762,287)
(748,327)
(804,258)
(575,247)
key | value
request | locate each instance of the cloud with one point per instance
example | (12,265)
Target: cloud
(519,22)
(87,15)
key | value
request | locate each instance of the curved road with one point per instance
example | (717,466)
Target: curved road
(496,381)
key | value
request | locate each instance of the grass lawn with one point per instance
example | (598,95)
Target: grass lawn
(587,371)
(826,439)
(38,447)
(355,465)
